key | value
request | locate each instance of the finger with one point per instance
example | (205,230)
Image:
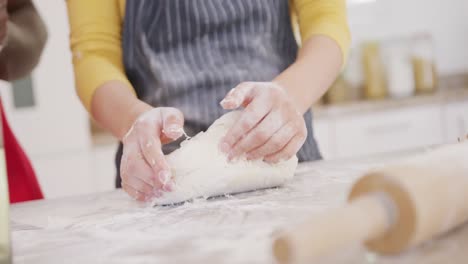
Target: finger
(288,151)
(274,144)
(250,117)
(133,164)
(172,124)
(259,135)
(139,185)
(135,172)
(150,147)
(137,195)
(238,96)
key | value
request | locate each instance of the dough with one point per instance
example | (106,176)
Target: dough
(200,169)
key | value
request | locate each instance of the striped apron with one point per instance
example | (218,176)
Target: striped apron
(188,54)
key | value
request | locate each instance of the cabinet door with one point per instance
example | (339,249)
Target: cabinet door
(323,133)
(456,120)
(103,166)
(389,131)
(76,173)
(65,174)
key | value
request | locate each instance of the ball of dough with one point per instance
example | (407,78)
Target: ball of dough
(200,169)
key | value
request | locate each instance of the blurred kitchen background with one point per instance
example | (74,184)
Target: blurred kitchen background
(405,86)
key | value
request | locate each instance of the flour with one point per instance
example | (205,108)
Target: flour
(110,228)
(200,169)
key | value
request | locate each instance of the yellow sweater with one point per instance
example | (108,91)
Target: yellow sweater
(96,32)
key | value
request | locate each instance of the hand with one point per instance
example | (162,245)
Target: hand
(3,22)
(269,128)
(144,170)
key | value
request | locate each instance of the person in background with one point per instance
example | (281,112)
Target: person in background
(146,69)
(22,38)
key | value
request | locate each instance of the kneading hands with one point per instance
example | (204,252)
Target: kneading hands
(270,128)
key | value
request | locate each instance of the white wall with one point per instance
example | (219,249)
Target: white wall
(444,19)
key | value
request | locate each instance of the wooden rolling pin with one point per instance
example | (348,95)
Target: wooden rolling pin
(390,209)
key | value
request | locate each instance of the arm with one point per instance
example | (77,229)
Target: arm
(107,94)
(325,43)
(101,84)
(309,77)
(271,126)
(24,42)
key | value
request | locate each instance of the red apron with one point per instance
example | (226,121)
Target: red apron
(22,182)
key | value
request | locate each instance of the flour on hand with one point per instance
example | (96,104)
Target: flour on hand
(200,169)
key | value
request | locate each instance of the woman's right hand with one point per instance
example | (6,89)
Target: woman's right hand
(144,170)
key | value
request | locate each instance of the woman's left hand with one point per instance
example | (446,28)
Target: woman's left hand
(270,127)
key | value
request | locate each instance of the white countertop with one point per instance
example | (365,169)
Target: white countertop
(111,228)
(443,95)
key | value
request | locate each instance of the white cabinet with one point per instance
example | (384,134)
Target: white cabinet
(455,120)
(65,174)
(388,131)
(103,167)
(323,132)
(366,133)
(76,173)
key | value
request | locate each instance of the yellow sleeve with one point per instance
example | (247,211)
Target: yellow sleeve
(324,17)
(95,39)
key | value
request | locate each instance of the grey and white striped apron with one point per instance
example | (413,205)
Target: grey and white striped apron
(188,54)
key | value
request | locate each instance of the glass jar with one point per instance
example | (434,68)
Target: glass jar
(338,92)
(424,68)
(399,69)
(374,72)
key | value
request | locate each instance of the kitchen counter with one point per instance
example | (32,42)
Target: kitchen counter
(441,96)
(111,228)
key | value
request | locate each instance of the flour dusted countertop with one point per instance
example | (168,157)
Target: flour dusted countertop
(111,228)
